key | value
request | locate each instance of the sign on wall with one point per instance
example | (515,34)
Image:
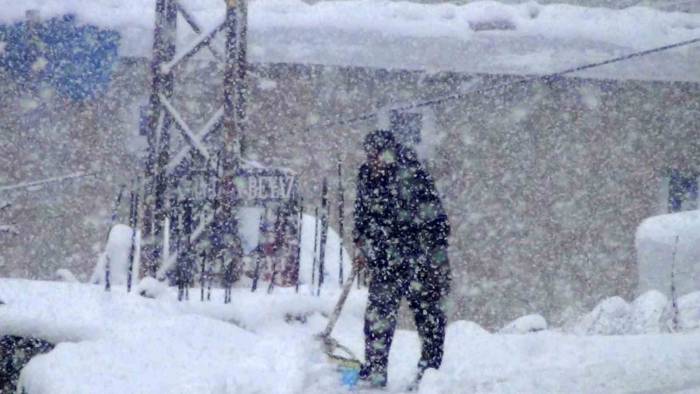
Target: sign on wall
(259,186)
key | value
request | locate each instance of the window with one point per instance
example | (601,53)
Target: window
(682,190)
(406,126)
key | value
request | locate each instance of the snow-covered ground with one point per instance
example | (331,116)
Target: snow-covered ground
(482,36)
(116,342)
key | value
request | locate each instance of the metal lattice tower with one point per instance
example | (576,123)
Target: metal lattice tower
(164,122)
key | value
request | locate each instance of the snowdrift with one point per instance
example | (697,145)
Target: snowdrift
(116,342)
(650,313)
(117,255)
(656,245)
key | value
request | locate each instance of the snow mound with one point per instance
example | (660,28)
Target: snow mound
(689,307)
(462,328)
(525,325)
(182,354)
(655,243)
(121,342)
(65,275)
(650,313)
(549,362)
(117,253)
(150,287)
(331,269)
(646,313)
(687,314)
(126,343)
(609,317)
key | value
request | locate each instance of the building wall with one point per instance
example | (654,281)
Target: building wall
(544,183)
(64,224)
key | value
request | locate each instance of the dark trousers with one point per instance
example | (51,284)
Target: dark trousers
(427,304)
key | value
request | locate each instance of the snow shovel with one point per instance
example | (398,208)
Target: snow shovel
(334,350)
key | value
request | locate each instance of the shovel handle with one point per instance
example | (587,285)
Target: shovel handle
(341,301)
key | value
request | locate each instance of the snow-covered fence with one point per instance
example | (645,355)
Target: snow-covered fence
(279,243)
(114,262)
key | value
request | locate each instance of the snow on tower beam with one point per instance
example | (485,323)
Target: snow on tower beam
(196,26)
(231,141)
(194,47)
(158,133)
(242,63)
(211,126)
(231,152)
(194,140)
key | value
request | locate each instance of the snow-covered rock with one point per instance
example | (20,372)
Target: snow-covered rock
(465,328)
(646,313)
(525,325)
(686,313)
(150,287)
(64,274)
(610,317)
(650,313)
(689,307)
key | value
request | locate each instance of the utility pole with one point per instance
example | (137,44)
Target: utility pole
(234,95)
(159,123)
(163,122)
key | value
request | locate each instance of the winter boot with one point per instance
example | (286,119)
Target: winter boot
(372,379)
(420,371)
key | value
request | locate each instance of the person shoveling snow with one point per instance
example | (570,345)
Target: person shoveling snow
(402,229)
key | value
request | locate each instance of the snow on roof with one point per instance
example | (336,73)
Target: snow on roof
(481,37)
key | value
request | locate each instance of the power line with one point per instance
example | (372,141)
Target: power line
(39,183)
(460,96)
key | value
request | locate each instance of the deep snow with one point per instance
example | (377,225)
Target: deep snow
(261,343)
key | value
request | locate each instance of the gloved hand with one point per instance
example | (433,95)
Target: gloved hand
(360,261)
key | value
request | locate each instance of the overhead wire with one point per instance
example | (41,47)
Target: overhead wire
(462,95)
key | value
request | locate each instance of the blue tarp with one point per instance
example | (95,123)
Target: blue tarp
(77,60)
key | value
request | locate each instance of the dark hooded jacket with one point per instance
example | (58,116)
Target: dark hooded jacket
(399,217)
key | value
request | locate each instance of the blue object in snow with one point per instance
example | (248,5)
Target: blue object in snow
(78,61)
(349,377)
